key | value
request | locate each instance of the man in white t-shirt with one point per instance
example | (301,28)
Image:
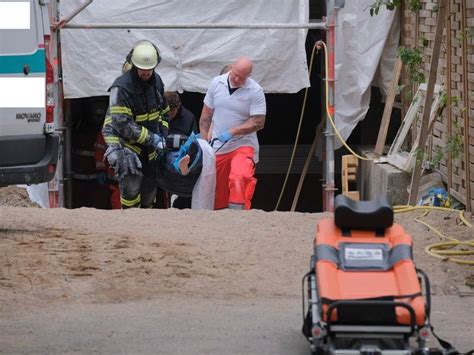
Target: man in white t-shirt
(235,105)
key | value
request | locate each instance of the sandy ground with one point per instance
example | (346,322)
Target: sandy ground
(59,257)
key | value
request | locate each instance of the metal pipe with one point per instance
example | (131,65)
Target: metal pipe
(67,153)
(329,185)
(314,302)
(184,26)
(66,20)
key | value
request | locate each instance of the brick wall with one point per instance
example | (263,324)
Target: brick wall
(456,74)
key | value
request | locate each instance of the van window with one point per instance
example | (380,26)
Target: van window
(18,27)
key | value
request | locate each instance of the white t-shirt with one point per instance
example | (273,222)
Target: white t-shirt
(233,110)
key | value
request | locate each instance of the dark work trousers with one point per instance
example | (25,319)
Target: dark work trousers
(162,199)
(182,202)
(138,191)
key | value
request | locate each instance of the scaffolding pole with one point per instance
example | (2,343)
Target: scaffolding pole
(185,26)
(329,184)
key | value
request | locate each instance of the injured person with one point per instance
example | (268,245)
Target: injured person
(187,157)
(187,169)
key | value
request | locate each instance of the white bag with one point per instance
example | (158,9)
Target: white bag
(205,189)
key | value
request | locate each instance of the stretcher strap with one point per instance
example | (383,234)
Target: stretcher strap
(448,348)
(364,256)
(328,301)
(378,232)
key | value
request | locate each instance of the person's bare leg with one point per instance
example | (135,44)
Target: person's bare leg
(184,165)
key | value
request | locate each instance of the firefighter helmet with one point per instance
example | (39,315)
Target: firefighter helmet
(145,55)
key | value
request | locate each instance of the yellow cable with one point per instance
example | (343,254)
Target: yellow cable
(297,132)
(442,250)
(331,120)
(436,250)
(407,208)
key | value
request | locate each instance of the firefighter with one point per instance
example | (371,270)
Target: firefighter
(136,126)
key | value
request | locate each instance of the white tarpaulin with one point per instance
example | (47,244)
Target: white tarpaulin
(365,54)
(92,58)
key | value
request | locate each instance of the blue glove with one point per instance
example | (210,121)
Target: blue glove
(225,137)
(157,142)
(101,177)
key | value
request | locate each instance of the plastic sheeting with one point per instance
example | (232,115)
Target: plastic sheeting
(38,193)
(92,58)
(205,189)
(365,55)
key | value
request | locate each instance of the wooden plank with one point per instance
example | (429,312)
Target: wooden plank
(387,112)
(407,122)
(448,89)
(440,21)
(466,100)
(349,168)
(344,177)
(404,159)
(309,157)
(458,196)
(353,195)
(416,145)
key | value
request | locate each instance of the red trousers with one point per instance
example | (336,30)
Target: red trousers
(235,183)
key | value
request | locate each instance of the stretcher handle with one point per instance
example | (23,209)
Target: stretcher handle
(427,290)
(211,143)
(336,304)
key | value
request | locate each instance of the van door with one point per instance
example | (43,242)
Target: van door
(28,143)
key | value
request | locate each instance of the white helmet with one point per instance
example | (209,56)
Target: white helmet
(145,55)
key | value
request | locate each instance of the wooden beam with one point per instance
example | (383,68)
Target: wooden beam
(387,112)
(465,113)
(449,162)
(416,45)
(316,139)
(415,178)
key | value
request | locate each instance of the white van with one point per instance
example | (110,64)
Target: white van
(29,144)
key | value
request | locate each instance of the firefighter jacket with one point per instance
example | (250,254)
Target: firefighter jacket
(137,110)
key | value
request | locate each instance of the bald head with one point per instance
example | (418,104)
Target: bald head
(241,70)
(244,64)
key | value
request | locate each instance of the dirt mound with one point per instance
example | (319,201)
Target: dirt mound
(16,197)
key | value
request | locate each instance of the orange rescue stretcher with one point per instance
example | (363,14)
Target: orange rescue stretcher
(363,293)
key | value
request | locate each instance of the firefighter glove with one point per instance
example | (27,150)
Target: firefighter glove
(157,142)
(133,163)
(116,158)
